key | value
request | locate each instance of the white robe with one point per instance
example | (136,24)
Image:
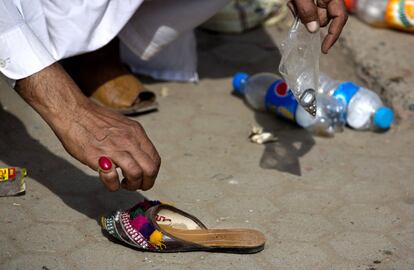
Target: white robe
(37,33)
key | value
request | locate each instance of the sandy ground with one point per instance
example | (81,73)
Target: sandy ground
(341,203)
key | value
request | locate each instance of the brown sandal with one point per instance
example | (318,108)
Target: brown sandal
(157,227)
(103,78)
(125,94)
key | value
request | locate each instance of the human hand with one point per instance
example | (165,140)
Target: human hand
(88,131)
(320,15)
(99,132)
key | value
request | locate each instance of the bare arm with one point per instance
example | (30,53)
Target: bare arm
(88,131)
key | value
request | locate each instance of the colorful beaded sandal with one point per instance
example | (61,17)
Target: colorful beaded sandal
(157,227)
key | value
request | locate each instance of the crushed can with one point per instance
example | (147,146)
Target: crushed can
(12,181)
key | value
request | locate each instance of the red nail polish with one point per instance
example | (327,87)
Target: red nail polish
(105,163)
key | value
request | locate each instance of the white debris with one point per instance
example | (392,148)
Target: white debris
(259,137)
(165,91)
(256,130)
(16,204)
(222,219)
(233,182)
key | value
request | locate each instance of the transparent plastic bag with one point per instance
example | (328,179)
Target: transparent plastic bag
(300,64)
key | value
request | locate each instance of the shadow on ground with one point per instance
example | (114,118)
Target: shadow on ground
(221,56)
(291,143)
(82,192)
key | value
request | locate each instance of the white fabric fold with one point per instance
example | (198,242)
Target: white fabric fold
(157,34)
(37,33)
(176,62)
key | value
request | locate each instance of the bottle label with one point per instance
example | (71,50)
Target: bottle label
(350,5)
(281,101)
(400,14)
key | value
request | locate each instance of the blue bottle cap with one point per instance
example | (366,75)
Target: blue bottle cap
(383,118)
(239,79)
(346,91)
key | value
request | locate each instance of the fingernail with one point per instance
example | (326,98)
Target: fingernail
(312,26)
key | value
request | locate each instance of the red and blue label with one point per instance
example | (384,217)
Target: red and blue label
(280,100)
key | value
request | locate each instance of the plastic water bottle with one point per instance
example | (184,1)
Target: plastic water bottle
(365,109)
(384,13)
(254,88)
(371,12)
(267,91)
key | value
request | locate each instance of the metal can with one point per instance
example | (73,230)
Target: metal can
(12,181)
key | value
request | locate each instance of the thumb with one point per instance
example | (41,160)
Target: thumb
(108,173)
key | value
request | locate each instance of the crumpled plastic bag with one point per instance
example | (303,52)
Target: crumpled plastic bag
(300,64)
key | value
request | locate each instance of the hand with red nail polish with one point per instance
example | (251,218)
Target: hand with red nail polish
(100,138)
(324,12)
(111,140)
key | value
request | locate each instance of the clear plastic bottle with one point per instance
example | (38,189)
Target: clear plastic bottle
(366,111)
(384,13)
(254,88)
(364,108)
(267,91)
(330,116)
(372,12)
(327,85)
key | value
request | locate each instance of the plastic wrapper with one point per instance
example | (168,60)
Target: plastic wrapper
(300,64)
(12,181)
